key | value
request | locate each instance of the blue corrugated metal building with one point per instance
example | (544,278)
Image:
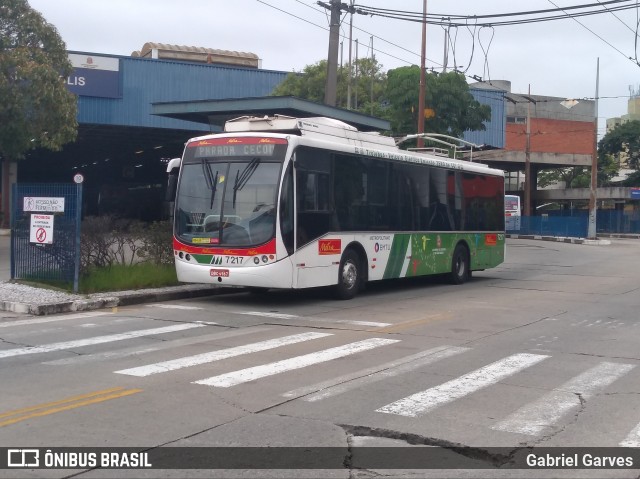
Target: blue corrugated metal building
(143,82)
(494,134)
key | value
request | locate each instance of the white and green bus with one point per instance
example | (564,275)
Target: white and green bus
(298,203)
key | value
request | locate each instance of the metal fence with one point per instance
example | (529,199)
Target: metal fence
(575,223)
(45,232)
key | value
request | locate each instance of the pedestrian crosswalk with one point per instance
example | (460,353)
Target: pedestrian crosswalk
(552,405)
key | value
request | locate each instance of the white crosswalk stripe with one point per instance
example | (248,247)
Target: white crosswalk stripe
(358,379)
(633,439)
(212,356)
(137,351)
(173,306)
(53,319)
(46,348)
(258,372)
(539,415)
(373,324)
(425,401)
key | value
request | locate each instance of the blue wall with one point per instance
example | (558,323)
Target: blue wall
(494,134)
(145,81)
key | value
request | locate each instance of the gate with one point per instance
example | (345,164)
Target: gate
(45,232)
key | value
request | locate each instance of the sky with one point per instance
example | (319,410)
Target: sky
(555,58)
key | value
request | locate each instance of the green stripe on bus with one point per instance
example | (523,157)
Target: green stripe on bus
(397,256)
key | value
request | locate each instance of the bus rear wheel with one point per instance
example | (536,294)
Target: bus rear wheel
(349,275)
(460,268)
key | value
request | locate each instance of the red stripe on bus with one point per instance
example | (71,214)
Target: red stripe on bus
(267,248)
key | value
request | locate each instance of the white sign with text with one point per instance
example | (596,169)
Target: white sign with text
(46,205)
(41,231)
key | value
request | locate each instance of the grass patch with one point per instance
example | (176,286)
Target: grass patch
(121,277)
(115,278)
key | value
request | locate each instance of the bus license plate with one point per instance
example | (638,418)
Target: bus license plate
(224,273)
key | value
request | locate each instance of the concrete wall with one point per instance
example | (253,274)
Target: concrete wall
(613,193)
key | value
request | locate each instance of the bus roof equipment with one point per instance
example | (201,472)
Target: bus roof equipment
(317,127)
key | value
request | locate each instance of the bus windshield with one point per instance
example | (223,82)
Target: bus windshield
(227,192)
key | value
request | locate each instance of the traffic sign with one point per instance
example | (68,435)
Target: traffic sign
(41,231)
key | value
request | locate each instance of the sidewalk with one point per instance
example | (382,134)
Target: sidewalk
(561,239)
(19,298)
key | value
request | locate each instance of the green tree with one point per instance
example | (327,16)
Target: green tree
(580,176)
(308,84)
(623,142)
(366,90)
(570,177)
(36,110)
(449,106)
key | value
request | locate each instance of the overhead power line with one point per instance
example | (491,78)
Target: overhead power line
(517,18)
(494,19)
(594,33)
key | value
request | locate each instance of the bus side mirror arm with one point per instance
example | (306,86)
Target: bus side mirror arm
(172,186)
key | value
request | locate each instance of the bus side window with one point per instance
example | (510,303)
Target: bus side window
(315,194)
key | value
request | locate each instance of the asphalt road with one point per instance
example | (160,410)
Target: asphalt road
(542,351)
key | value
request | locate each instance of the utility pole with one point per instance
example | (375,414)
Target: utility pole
(445,58)
(591,230)
(356,92)
(373,58)
(330,92)
(351,10)
(423,86)
(527,161)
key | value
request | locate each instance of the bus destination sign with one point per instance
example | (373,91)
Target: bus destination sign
(227,147)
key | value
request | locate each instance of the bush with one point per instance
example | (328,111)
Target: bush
(107,241)
(156,242)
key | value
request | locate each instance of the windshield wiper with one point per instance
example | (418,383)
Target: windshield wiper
(243,178)
(212,183)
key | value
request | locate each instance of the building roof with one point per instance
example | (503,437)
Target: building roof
(217,112)
(197,54)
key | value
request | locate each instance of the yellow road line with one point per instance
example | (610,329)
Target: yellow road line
(409,324)
(65,404)
(62,401)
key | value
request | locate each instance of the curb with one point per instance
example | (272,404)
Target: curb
(115,299)
(621,235)
(562,239)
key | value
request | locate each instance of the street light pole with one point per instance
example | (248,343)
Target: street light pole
(591,231)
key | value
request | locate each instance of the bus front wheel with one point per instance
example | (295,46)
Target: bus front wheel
(460,271)
(349,275)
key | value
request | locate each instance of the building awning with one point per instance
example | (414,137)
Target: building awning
(217,112)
